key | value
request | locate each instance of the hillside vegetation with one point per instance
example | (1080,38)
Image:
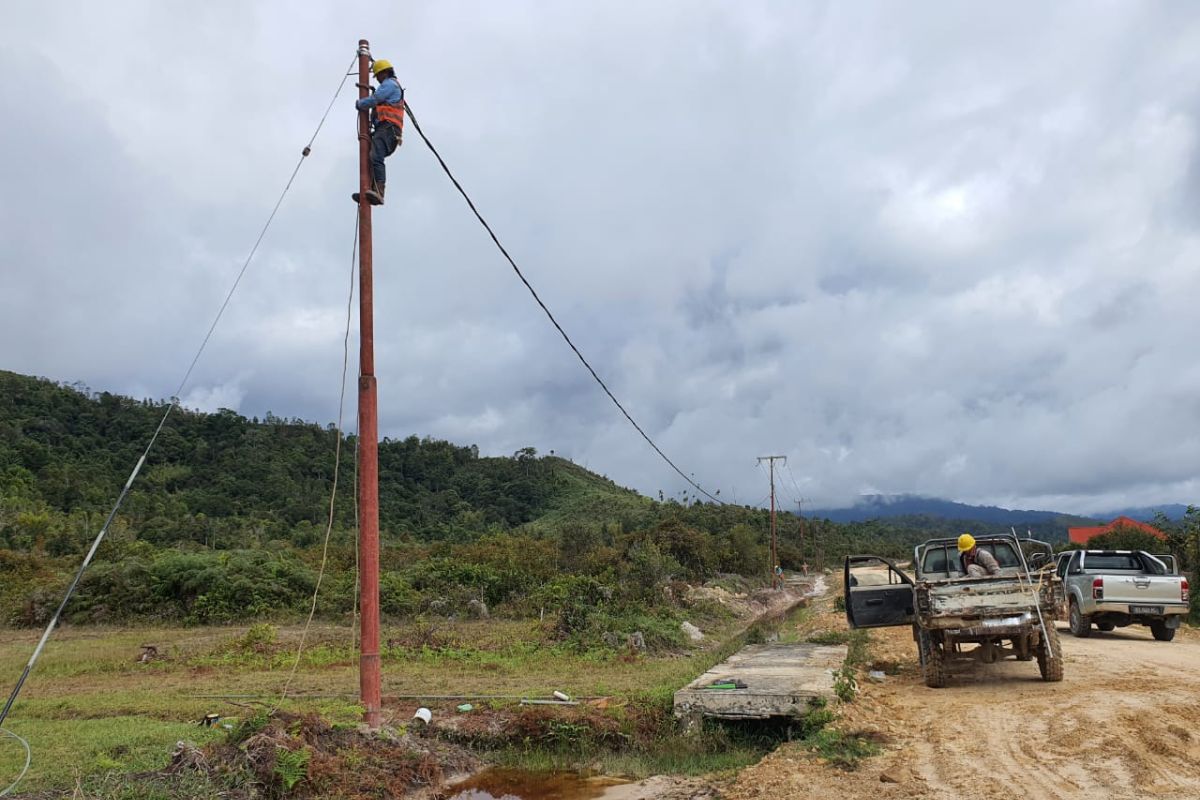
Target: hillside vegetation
(228,517)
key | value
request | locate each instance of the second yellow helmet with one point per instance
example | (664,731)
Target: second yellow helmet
(380,65)
(965,542)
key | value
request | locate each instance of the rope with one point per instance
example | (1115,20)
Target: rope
(337,462)
(354,620)
(553,321)
(28,761)
(12,698)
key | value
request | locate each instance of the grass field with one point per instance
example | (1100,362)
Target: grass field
(90,709)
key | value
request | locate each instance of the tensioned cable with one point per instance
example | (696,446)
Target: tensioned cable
(357,576)
(28,761)
(12,698)
(795,483)
(553,321)
(337,463)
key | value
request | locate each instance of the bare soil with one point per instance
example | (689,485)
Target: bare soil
(1125,723)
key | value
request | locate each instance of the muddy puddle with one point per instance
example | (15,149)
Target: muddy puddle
(512,784)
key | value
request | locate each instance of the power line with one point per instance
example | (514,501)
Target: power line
(558,327)
(337,463)
(12,698)
(28,761)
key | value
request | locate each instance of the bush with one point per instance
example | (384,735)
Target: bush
(260,638)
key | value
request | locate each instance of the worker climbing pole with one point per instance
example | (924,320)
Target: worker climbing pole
(386,106)
(368,416)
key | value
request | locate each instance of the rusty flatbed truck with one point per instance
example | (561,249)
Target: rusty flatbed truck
(1010,615)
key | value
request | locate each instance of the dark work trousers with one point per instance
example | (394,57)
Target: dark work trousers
(383,144)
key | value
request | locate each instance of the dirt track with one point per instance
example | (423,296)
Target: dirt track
(1125,723)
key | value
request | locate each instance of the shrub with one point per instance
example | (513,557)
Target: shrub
(260,638)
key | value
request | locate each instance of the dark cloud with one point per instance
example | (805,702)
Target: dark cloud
(948,249)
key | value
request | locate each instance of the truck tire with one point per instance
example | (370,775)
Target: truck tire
(1081,626)
(1049,656)
(933,661)
(1161,631)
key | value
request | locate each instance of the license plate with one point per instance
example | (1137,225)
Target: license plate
(1004,622)
(1145,609)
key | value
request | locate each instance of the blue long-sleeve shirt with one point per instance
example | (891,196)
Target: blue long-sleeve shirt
(388,92)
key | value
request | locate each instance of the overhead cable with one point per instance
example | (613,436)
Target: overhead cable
(28,761)
(337,464)
(550,316)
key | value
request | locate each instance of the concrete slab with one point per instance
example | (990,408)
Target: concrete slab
(780,681)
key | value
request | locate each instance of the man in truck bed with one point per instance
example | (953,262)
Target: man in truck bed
(976,563)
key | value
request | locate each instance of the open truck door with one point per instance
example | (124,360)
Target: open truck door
(877,593)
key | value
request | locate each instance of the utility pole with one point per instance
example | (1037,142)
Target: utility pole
(771,461)
(368,424)
(800,514)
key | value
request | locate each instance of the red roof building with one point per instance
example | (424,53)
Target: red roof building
(1083,535)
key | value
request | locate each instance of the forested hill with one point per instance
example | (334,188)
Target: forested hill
(914,508)
(223,480)
(228,517)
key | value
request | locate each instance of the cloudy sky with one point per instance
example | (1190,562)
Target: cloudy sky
(946,248)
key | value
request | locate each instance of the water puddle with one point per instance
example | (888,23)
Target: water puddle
(515,784)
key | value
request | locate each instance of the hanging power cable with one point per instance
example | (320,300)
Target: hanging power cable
(12,698)
(550,316)
(337,463)
(28,761)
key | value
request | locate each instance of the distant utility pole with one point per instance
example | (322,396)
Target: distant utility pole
(771,461)
(800,514)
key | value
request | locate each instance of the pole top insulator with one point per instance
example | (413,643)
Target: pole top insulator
(364,47)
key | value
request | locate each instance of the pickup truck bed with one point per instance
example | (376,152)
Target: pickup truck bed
(991,605)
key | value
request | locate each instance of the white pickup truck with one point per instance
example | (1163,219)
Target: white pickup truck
(1115,588)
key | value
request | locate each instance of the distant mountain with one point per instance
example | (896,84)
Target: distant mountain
(1173,511)
(878,506)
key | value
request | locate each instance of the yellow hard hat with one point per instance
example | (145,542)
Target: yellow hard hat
(965,542)
(380,65)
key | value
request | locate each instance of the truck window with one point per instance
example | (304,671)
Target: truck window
(1073,568)
(877,573)
(1103,561)
(1063,561)
(938,560)
(1005,555)
(1151,565)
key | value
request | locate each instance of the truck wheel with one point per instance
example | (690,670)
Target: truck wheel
(1107,627)
(933,661)
(1161,631)
(1049,656)
(1081,626)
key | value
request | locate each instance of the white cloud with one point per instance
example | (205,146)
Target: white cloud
(948,249)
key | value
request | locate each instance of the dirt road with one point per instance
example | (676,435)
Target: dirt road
(1125,723)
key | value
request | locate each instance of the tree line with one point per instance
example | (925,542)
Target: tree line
(228,518)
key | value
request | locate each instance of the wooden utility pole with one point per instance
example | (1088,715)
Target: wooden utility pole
(368,424)
(800,515)
(774,562)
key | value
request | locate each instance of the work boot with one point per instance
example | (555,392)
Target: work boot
(374,196)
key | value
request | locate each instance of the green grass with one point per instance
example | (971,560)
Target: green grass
(89,709)
(69,749)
